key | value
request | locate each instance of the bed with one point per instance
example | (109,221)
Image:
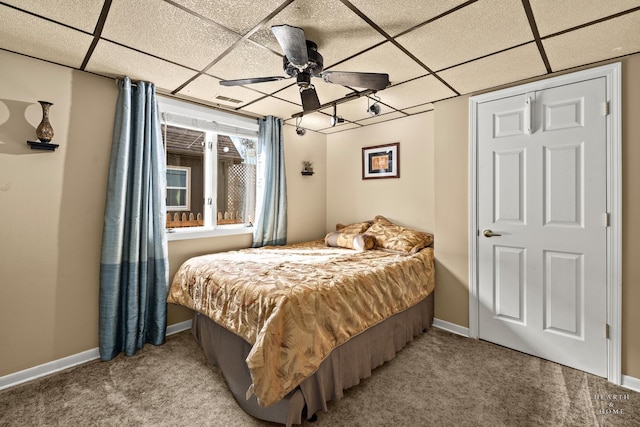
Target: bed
(292,326)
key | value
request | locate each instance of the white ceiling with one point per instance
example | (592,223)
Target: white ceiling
(432,50)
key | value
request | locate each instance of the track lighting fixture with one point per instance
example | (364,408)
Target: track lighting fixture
(335,119)
(375,109)
(300,130)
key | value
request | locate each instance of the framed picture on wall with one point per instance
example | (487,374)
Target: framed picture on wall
(381,161)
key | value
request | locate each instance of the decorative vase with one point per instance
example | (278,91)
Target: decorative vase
(44,130)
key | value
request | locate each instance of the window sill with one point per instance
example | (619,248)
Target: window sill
(198,233)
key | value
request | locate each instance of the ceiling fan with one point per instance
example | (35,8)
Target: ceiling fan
(302,60)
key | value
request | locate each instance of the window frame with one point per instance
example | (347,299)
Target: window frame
(213,123)
(187,188)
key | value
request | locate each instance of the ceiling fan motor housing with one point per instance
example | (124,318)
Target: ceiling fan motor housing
(314,66)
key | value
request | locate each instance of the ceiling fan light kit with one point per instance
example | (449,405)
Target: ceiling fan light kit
(302,60)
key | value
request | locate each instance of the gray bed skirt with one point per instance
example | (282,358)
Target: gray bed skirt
(345,366)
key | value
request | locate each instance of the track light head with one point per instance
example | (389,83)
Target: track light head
(374,110)
(335,119)
(299,129)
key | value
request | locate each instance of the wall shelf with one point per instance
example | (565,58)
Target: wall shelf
(45,146)
(307,173)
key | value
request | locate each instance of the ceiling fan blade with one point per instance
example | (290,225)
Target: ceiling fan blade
(376,81)
(293,43)
(240,82)
(310,99)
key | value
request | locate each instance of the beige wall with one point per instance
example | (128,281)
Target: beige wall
(452,211)
(51,210)
(307,207)
(408,200)
(52,207)
(630,215)
(451,201)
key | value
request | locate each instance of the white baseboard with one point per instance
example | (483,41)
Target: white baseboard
(48,368)
(178,327)
(68,362)
(631,383)
(451,327)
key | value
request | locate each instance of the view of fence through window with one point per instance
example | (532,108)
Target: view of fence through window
(187,166)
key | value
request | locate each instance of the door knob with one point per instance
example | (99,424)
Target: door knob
(489,233)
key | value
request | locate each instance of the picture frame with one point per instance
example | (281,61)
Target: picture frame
(381,161)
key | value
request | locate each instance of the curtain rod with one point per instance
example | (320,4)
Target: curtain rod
(132,83)
(218,107)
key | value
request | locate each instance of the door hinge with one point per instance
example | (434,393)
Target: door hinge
(605,219)
(209,201)
(606,330)
(605,108)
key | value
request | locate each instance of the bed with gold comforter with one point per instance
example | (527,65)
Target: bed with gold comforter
(294,304)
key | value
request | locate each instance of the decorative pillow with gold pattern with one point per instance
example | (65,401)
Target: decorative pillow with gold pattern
(396,238)
(356,228)
(359,242)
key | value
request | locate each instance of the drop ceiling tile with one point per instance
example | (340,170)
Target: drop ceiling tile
(248,60)
(419,109)
(66,12)
(396,17)
(382,118)
(338,32)
(226,12)
(113,60)
(340,128)
(495,70)
(314,121)
(479,29)
(588,45)
(415,92)
(291,94)
(321,122)
(163,30)
(209,89)
(386,58)
(37,37)
(554,16)
(271,106)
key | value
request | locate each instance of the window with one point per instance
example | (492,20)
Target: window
(178,188)
(211,170)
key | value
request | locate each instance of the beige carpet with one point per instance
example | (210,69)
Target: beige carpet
(439,379)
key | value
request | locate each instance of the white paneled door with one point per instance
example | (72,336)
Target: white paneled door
(542,217)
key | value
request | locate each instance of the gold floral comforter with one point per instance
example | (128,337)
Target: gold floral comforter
(296,303)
